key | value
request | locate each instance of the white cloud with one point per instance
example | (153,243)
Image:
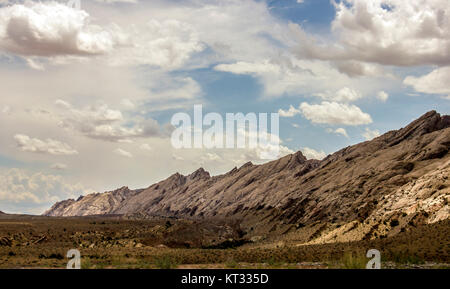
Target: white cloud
(35,65)
(383,96)
(51,29)
(345,94)
(334,113)
(340,131)
(178,88)
(394,32)
(310,153)
(123,153)
(370,134)
(167,43)
(54,33)
(24,192)
(101,122)
(49,146)
(286,75)
(279,76)
(436,82)
(289,113)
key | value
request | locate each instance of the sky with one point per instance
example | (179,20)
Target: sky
(88,92)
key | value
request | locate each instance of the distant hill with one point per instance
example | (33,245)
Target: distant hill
(369,190)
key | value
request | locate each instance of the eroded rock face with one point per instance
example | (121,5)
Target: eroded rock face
(401,172)
(429,194)
(93,204)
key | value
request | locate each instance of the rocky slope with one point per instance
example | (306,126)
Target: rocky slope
(359,192)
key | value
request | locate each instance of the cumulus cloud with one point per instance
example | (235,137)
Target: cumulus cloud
(310,153)
(168,44)
(49,146)
(436,82)
(345,94)
(289,113)
(370,134)
(383,96)
(334,113)
(101,122)
(25,192)
(394,32)
(51,29)
(339,131)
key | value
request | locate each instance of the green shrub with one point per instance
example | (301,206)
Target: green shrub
(165,262)
(231,264)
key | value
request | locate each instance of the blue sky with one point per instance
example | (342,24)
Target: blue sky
(87,95)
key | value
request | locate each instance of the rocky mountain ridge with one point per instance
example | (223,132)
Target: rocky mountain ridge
(402,174)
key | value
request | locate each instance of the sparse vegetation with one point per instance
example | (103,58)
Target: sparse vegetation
(165,262)
(231,264)
(352,260)
(149,244)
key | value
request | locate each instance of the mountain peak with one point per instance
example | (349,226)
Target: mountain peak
(299,157)
(199,174)
(430,121)
(247,165)
(427,123)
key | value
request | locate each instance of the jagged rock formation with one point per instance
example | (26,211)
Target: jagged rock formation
(401,172)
